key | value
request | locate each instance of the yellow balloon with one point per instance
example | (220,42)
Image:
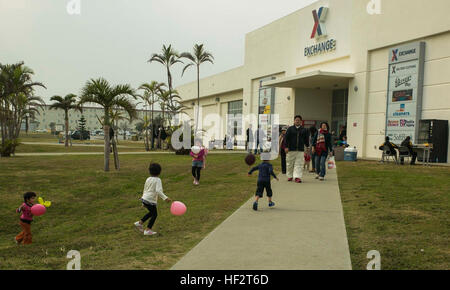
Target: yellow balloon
(44,203)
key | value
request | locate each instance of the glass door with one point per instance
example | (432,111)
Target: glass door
(339,111)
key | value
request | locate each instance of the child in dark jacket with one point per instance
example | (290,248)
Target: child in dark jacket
(265,171)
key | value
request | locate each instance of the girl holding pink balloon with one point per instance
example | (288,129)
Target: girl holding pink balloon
(198,152)
(26,218)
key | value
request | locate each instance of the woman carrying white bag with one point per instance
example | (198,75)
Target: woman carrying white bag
(331,163)
(322,147)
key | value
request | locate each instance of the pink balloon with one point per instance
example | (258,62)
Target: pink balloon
(38,209)
(178,208)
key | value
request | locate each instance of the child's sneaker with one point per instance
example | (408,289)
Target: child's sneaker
(321,178)
(255,206)
(139,227)
(290,179)
(317,176)
(271,204)
(149,233)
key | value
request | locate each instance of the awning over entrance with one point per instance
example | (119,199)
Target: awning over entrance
(313,80)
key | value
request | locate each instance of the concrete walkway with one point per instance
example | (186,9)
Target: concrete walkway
(305,231)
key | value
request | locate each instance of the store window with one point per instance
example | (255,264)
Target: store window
(235,118)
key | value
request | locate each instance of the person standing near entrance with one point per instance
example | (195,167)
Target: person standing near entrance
(250,139)
(297,138)
(322,147)
(259,136)
(282,145)
(312,132)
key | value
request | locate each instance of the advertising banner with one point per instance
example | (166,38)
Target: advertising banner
(266,107)
(405,89)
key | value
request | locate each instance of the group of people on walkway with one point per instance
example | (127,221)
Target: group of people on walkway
(300,146)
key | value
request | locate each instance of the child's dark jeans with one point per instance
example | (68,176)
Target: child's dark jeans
(152,214)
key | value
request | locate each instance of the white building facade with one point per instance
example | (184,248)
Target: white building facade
(333,61)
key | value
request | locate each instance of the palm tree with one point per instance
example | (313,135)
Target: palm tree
(168,58)
(174,106)
(17,101)
(199,56)
(100,92)
(124,127)
(164,100)
(151,91)
(67,103)
(117,115)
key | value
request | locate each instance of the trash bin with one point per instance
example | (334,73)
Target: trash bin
(339,153)
(351,154)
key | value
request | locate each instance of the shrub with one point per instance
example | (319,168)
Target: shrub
(9,147)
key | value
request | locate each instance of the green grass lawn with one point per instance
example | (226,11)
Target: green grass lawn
(93,211)
(401,211)
(33,146)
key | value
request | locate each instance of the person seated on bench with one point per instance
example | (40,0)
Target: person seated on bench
(407,143)
(390,148)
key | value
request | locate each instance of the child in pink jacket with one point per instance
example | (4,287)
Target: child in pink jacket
(25,236)
(198,161)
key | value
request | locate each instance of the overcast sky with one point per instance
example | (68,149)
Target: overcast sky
(115,38)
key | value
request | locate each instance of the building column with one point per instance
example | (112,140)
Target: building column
(357,113)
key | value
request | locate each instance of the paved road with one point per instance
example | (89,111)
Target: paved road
(305,231)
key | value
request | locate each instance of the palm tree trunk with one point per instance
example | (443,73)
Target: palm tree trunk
(198,99)
(26,124)
(153,126)
(116,155)
(117,135)
(147,147)
(66,121)
(146,139)
(107,141)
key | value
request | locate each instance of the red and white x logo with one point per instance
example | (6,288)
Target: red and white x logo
(319,29)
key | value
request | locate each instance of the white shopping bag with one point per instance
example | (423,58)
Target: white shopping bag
(331,163)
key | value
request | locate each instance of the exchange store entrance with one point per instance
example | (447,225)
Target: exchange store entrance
(339,111)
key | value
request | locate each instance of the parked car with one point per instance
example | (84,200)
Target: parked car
(77,135)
